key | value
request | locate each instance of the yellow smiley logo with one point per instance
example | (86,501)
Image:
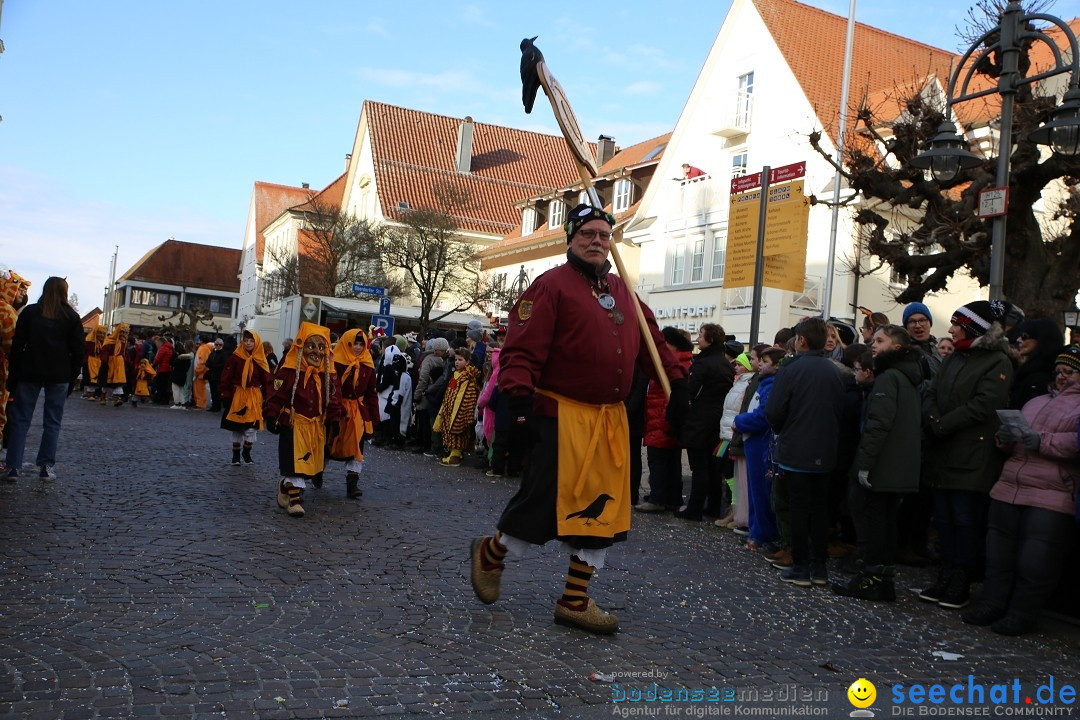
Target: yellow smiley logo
(862,693)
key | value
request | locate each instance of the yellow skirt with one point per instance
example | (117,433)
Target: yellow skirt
(246,406)
(594,468)
(309,441)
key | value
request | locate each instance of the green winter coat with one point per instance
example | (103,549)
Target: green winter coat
(891,443)
(960,413)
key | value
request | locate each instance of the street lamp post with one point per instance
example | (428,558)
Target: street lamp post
(948,153)
(1071,316)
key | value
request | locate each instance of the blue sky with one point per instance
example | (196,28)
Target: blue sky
(126,123)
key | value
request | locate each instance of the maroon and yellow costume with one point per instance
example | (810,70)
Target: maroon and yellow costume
(562,344)
(245,383)
(112,372)
(94,341)
(305,399)
(10,285)
(143,375)
(359,401)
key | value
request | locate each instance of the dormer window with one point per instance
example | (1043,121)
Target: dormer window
(623,195)
(558,214)
(528,221)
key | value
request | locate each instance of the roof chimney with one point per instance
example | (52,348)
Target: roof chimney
(348,159)
(605,149)
(305,186)
(464,145)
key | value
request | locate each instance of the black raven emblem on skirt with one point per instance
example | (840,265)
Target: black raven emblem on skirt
(593,510)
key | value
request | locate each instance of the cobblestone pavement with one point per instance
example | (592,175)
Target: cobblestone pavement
(151,579)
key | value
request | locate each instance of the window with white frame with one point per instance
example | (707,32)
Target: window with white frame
(744,99)
(810,297)
(558,213)
(622,195)
(719,253)
(528,220)
(740,161)
(678,263)
(697,260)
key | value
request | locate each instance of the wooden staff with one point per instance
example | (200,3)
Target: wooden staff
(583,158)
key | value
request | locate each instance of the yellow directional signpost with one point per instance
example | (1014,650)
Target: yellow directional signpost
(773,255)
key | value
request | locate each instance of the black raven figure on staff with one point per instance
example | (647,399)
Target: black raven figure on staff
(530,78)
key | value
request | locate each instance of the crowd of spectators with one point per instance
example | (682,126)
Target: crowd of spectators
(903,449)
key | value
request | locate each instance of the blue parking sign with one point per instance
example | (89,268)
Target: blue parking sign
(385,322)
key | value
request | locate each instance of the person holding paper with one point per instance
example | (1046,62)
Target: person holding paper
(1032,505)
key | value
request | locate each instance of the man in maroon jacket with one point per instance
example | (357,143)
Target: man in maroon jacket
(567,366)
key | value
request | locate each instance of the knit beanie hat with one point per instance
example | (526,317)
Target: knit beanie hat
(732,348)
(743,360)
(675,338)
(583,214)
(1069,356)
(977,317)
(917,308)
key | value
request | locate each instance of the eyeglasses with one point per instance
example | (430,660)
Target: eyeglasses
(1066,372)
(593,234)
(918,321)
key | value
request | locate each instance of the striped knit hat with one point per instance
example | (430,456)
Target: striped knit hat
(977,317)
(1069,356)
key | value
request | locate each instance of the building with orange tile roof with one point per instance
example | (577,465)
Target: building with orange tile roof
(401,160)
(268,202)
(538,242)
(773,76)
(175,275)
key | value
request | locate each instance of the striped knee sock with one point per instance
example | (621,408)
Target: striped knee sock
(494,551)
(577,581)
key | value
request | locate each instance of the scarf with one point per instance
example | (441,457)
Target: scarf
(256,357)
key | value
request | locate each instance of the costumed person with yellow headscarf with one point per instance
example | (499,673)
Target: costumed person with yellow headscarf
(245,382)
(360,405)
(143,375)
(12,299)
(92,363)
(112,372)
(306,399)
(567,367)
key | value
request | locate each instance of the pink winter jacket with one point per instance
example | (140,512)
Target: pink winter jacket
(484,400)
(1047,479)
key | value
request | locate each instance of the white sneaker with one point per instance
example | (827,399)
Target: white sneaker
(47,473)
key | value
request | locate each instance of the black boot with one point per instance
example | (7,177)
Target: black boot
(872,583)
(935,592)
(246,454)
(352,488)
(958,591)
(316,480)
(236,453)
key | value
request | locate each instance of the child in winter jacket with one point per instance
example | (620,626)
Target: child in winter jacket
(757,437)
